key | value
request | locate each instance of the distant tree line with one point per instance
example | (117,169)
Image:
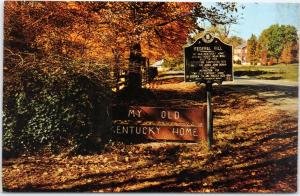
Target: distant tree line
(276,44)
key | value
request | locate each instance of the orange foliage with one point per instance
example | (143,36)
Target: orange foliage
(102,31)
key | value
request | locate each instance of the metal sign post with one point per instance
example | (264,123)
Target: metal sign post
(209,114)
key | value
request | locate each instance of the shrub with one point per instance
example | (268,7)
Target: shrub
(55,103)
(239,62)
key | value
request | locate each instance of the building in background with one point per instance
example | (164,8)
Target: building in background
(239,54)
(160,65)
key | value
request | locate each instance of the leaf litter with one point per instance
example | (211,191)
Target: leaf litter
(255,150)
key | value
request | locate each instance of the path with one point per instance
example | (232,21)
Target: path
(281,94)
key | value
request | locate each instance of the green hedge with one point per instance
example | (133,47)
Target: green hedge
(55,104)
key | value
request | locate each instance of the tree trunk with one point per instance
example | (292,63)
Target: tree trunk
(116,69)
(116,72)
(134,77)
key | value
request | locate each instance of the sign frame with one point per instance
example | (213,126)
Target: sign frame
(208,41)
(151,116)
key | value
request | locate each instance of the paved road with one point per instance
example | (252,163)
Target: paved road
(239,80)
(281,94)
(250,81)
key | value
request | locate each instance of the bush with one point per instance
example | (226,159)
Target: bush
(238,62)
(55,103)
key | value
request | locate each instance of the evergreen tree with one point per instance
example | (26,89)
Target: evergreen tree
(251,49)
(258,53)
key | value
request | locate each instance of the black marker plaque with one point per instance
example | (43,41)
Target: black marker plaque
(208,60)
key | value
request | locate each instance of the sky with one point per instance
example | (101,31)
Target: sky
(259,16)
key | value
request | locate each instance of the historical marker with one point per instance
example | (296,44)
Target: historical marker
(208,60)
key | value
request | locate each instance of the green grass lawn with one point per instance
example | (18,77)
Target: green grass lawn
(272,72)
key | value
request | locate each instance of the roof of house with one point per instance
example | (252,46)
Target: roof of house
(157,63)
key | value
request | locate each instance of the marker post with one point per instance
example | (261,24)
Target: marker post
(209,114)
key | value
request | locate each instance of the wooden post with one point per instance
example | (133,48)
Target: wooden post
(209,114)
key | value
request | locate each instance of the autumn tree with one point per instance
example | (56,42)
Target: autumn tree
(220,31)
(251,49)
(235,41)
(274,38)
(110,31)
(264,56)
(41,27)
(65,29)
(286,55)
(157,25)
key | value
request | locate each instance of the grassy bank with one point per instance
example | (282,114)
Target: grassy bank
(273,72)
